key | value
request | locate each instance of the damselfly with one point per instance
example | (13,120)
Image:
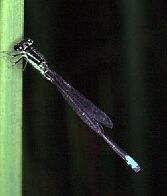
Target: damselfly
(85,109)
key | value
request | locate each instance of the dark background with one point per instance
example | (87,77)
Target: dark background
(114,52)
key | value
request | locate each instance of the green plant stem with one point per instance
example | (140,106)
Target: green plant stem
(11,30)
(134,41)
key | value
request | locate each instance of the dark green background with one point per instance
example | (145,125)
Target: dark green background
(114,52)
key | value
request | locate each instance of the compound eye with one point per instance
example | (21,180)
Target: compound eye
(30,41)
(18,48)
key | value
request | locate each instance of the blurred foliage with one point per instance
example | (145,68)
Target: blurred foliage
(108,50)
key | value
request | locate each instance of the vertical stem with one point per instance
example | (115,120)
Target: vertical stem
(11,20)
(76,167)
(134,12)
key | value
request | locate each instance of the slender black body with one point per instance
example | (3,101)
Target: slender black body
(85,109)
